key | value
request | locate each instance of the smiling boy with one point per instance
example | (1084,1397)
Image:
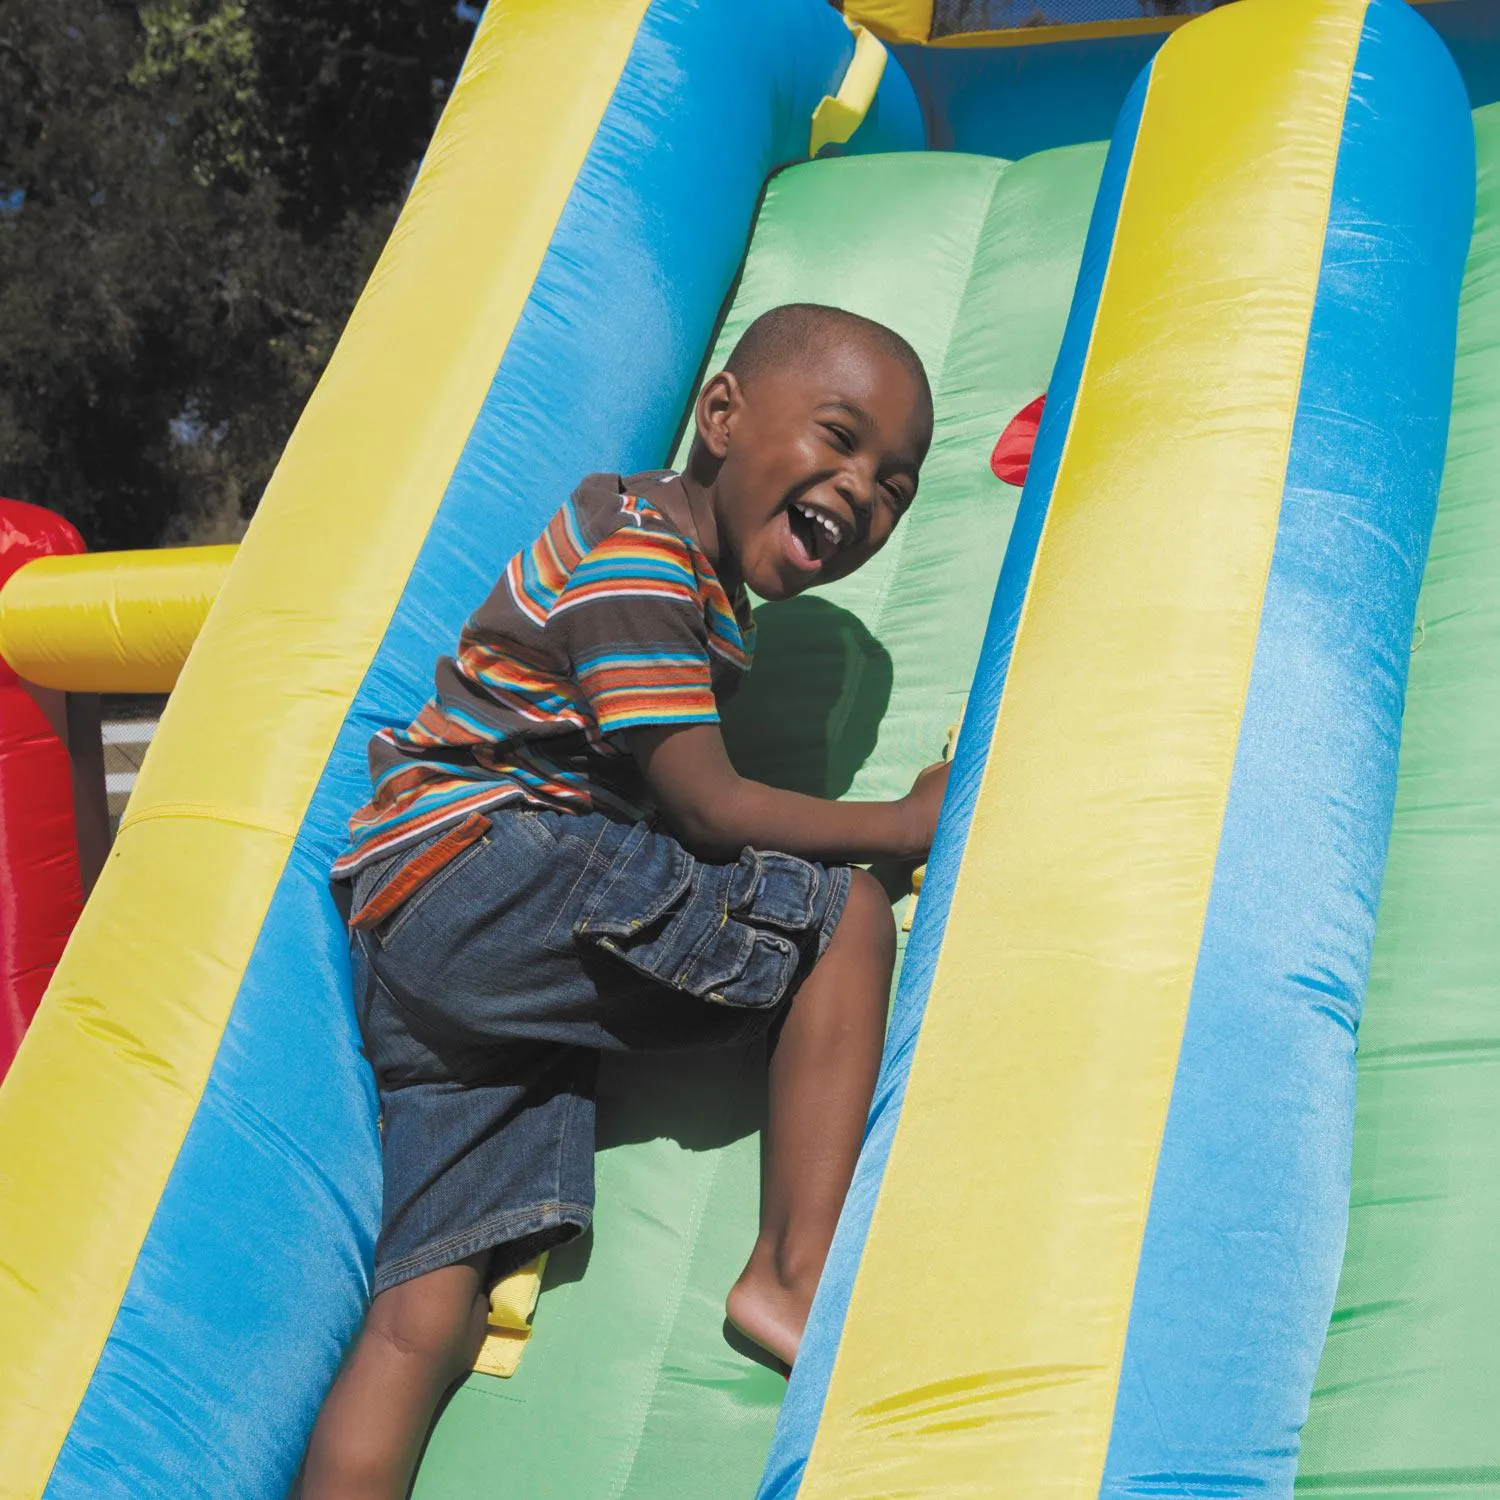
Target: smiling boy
(559,859)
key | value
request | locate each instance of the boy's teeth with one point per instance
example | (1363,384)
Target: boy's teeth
(821,520)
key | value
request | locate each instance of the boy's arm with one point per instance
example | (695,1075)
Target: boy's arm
(715,812)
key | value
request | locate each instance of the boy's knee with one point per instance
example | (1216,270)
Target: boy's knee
(869,908)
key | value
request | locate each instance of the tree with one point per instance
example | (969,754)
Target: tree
(192,193)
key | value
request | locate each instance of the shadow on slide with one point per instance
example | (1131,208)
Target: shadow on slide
(806,719)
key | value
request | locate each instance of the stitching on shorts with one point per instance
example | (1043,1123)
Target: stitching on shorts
(621,858)
(424,892)
(425,864)
(548,836)
(527,820)
(413,1024)
(592,868)
(743,918)
(695,887)
(620,861)
(814,884)
(459,1245)
(841,878)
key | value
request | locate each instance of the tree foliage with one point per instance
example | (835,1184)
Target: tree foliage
(192,193)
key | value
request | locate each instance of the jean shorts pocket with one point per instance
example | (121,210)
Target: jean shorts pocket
(386,932)
(648,877)
(624,883)
(744,967)
(720,933)
(774,890)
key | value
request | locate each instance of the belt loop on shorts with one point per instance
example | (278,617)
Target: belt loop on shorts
(412,877)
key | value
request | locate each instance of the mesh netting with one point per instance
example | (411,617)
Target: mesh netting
(953,16)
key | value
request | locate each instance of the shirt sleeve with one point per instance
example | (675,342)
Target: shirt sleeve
(631,622)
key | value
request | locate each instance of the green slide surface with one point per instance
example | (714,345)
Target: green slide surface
(629,1389)
(1408,1396)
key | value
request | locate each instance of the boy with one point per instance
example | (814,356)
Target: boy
(559,859)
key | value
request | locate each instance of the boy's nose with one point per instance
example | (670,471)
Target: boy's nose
(856,488)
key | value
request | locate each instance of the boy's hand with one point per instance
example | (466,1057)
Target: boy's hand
(923,803)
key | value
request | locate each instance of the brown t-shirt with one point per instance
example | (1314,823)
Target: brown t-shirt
(611,620)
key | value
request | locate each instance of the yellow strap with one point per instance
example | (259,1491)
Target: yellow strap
(513,1297)
(512,1303)
(839,115)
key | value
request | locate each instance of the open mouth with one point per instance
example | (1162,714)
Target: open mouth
(818,535)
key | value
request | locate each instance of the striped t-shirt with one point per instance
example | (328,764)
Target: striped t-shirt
(611,620)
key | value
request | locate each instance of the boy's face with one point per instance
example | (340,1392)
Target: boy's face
(818,462)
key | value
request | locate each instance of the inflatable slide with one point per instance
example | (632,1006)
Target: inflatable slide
(1096,1233)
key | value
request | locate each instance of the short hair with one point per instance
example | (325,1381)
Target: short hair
(788,333)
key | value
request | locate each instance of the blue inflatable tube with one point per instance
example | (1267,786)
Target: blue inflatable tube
(1224,1298)
(1246,1231)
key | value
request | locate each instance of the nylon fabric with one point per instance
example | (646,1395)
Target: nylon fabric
(1011,101)
(110,622)
(40,895)
(1406,1393)
(851,693)
(1249,1203)
(1067,31)
(1086,870)
(136,1013)
(1014,101)
(896,20)
(194,1078)
(839,115)
(287,1111)
(798,1424)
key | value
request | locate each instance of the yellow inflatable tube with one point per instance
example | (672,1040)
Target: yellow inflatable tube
(109,622)
(184,895)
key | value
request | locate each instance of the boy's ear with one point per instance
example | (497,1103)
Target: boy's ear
(718,402)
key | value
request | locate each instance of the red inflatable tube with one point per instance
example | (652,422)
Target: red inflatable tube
(40,890)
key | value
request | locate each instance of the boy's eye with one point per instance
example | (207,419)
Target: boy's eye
(841,436)
(897,497)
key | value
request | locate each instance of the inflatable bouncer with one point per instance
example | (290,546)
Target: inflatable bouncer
(1097,1234)
(38,840)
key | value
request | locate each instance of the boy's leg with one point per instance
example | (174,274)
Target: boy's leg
(419,1338)
(822,1078)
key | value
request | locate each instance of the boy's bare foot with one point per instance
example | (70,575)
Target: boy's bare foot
(769,1311)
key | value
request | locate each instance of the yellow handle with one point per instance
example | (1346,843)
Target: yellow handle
(512,1303)
(513,1298)
(839,115)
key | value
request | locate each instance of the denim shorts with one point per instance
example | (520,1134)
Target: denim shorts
(486,995)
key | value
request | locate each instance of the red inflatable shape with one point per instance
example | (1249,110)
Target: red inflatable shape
(1012,456)
(40,891)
